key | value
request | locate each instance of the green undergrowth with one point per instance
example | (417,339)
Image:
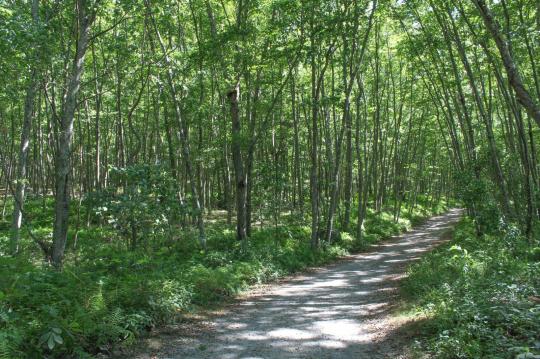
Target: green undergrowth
(480,296)
(108,294)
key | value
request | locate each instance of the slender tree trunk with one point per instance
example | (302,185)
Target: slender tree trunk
(97,134)
(485,116)
(523,96)
(314,149)
(251,155)
(183,136)
(362,188)
(63,165)
(20,178)
(240,179)
(298,195)
(348,174)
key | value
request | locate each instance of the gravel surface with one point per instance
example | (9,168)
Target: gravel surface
(341,311)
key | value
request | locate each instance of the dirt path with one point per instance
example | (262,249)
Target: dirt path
(342,311)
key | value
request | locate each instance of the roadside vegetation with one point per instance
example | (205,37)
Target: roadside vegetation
(479,295)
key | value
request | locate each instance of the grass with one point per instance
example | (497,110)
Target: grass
(107,295)
(480,296)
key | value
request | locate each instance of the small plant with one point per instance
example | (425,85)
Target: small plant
(51,338)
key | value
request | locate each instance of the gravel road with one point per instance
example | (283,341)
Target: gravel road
(341,311)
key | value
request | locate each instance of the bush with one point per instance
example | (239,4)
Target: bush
(143,204)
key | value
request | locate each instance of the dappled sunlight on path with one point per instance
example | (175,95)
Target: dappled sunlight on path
(335,312)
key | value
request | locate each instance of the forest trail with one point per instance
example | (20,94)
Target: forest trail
(341,311)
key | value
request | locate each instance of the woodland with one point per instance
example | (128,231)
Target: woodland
(158,157)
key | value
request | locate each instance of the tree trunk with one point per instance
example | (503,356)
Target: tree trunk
(314,150)
(19,195)
(523,96)
(298,195)
(63,165)
(238,166)
(183,136)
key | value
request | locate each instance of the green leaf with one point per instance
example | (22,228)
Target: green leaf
(58,339)
(5,11)
(50,342)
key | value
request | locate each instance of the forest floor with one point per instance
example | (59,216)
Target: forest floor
(345,310)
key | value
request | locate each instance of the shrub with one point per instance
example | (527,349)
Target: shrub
(143,204)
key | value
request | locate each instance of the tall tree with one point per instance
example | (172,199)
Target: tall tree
(85,17)
(21,179)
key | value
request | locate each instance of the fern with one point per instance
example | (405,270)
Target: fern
(97,302)
(5,350)
(8,347)
(116,317)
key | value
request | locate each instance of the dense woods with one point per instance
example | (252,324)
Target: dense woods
(163,154)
